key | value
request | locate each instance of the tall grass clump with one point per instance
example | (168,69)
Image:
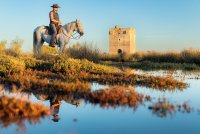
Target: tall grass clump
(15,48)
(84,51)
(3,45)
(191,56)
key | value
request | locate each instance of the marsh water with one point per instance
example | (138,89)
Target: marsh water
(80,117)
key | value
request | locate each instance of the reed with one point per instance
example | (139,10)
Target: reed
(186,56)
(84,51)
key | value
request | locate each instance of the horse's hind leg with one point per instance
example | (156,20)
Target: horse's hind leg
(35,40)
(39,46)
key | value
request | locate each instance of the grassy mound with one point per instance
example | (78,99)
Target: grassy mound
(74,66)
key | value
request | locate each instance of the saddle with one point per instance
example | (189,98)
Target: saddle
(49,31)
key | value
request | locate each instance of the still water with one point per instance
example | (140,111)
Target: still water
(79,117)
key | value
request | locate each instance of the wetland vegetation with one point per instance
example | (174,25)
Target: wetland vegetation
(69,78)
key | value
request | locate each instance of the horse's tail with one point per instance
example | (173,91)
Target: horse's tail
(34,42)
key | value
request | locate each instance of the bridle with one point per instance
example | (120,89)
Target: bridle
(73,35)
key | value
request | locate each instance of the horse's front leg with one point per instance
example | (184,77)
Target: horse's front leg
(62,48)
(62,45)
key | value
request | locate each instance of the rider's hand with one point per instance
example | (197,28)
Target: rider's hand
(59,23)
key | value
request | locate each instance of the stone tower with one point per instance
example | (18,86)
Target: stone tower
(122,40)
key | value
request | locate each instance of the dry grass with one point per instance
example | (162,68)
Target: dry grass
(185,56)
(84,51)
(2,45)
(188,59)
(15,48)
(123,57)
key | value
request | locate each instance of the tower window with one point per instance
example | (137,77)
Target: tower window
(124,32)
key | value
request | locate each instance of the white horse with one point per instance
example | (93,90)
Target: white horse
(40,36)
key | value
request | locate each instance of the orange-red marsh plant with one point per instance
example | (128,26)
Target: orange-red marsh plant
(155,82)
(30,81)
(162,108)
(116,96)
(13,110)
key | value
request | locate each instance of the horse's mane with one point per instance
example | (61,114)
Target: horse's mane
(68,25)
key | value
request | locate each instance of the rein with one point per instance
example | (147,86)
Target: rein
(73,36)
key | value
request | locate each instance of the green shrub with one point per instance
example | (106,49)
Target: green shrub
(32,63)
(10,65)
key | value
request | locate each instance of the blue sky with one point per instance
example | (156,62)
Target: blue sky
(160,24)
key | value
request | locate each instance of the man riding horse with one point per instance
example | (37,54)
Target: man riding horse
(54,23)
(56,33)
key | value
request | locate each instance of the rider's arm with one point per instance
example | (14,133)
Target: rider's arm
(59,23)
(52,18)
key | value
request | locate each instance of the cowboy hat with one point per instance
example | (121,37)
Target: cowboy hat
(55,6)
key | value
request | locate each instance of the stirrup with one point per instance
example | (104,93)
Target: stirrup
(52,45)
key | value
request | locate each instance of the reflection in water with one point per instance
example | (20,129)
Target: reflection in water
(115,97)
(163,107)
(178,74)
(17,111)
(108,97)
(56,101)
(55,106)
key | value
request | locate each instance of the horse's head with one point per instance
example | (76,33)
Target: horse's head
(79,27)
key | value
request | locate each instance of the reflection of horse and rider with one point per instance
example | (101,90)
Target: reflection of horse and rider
(55,33)
(56,101)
